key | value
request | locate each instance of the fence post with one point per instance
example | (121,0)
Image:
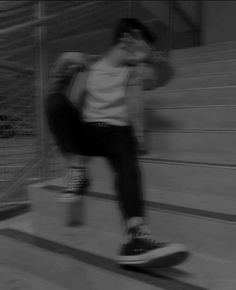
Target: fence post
(41,87)
(171,23)
(130,6)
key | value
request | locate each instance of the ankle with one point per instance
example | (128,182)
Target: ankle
(75,177)
(77,170)
(134,222)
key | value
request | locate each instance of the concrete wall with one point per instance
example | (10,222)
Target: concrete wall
(218,25)
(158,9)
(147,11)
(219,21)
(191,7)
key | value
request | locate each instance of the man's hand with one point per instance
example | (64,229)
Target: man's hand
(72,61)
(137,48)
(62,72)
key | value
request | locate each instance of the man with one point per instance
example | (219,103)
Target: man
(99,116)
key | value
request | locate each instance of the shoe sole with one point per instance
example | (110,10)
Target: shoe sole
(160,258)
(168,261)
(70,199)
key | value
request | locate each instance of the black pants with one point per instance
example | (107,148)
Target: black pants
(116,143)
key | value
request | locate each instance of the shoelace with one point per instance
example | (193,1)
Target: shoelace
(75,179)
(143,232)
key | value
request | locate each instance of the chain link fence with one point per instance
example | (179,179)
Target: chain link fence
(30,31)
(18,110)
(85,28)
(33,34)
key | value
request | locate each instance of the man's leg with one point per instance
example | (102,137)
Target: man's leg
(122,147)
(140,248)
(64,124)
(76,177)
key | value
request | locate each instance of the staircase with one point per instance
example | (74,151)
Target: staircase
(189,180)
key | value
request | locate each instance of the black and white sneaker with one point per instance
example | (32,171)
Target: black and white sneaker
(143,250)
(77,184)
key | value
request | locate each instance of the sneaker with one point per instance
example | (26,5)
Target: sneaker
(143,250)
(77,184)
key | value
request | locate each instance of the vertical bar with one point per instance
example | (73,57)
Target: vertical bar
(41,87)
(171,23)
(197,32)
(200,17)
(130,14)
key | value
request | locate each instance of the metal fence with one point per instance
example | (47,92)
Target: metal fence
(18,109)
(29,30)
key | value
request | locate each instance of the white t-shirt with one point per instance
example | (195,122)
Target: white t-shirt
(106,99)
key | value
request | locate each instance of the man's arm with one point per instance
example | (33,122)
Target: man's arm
(64,69)
(157,71)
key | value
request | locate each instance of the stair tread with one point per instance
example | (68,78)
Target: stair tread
(202,80)
(156,158)
(163,97)
(200,185)
(201,270)
(222,209)
(168,159)
(204,56)
(205,75)
(219,235)
(24,280)
(166,89)
(61,268)
(213,47)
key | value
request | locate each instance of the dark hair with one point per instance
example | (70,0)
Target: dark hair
(129,25)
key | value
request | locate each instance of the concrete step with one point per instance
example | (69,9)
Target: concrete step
(206,205)
(196,69)
(189,146)
(194,97)
(102,214)
(58,266)
(211,48)
(192,118)
(205,186)
(57,255)
(205,56)
(195,179)
(203,81)
(12,278)
(172,176)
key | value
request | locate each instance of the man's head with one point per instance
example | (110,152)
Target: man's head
(134,39)
(133,28)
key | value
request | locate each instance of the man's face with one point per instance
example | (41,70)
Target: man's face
(136,47)
(131,40)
